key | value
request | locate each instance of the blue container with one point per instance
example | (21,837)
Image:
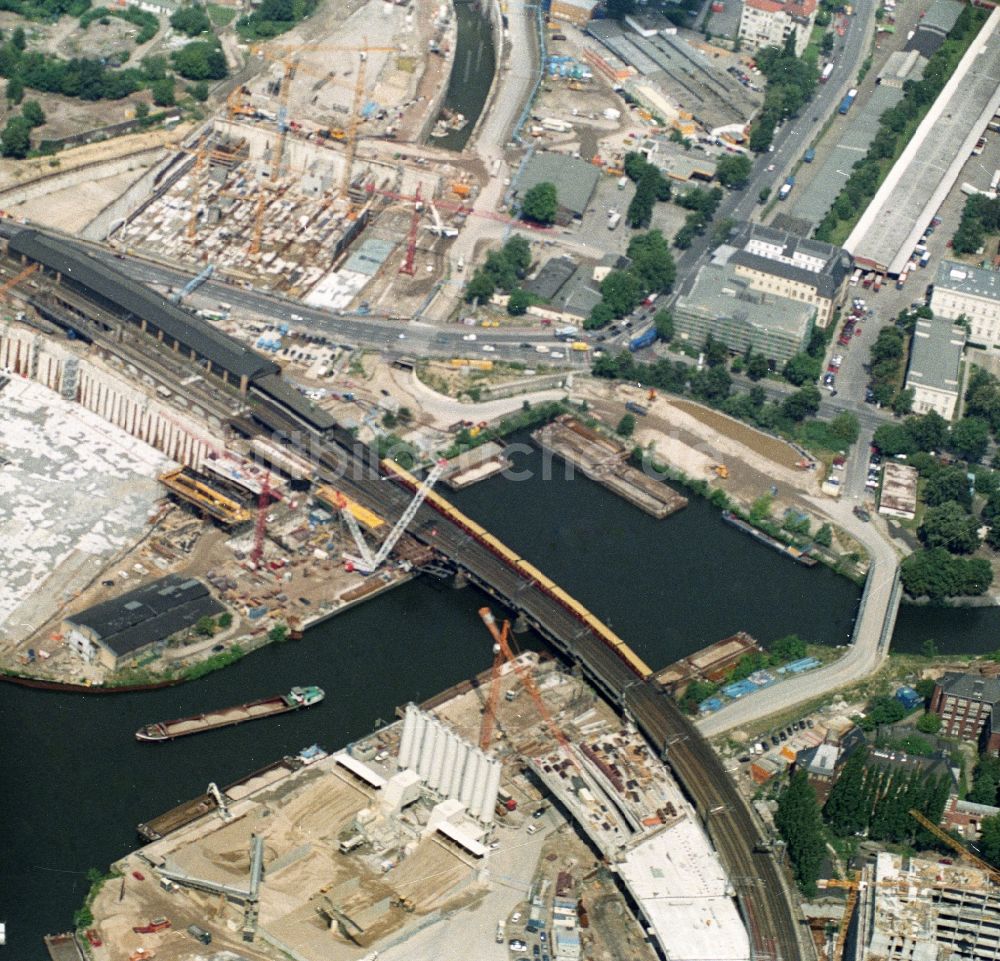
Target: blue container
(909,698)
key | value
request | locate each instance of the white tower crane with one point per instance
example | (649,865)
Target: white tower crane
(368,563)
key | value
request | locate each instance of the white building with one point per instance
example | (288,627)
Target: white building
(767,23)
(935,365)
(973,293)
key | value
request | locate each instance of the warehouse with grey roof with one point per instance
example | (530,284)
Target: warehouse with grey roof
(928,168)
(575,181)
(124,627)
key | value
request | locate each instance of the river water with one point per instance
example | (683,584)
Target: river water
(471,74)
(75,782)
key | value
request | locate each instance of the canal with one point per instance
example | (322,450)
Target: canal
(76,782)
(471,74)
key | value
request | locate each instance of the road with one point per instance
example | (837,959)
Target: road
(792,138)
(865,654)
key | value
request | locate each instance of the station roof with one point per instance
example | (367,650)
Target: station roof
(292,398)
(139,300)
(148,614)
(575,180)
(936,356)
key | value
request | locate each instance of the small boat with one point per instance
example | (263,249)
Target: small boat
(295,699)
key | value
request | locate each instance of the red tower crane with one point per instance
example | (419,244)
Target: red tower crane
(411,238)
(260,526)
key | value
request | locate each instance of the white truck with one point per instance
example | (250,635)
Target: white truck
(614,219)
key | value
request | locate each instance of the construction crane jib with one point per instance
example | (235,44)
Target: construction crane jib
(368,562)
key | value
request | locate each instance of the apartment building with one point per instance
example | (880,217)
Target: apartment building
(965,703)
(972,293)
(768,23)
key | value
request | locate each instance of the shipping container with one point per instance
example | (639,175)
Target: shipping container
(635,408)
(645,339)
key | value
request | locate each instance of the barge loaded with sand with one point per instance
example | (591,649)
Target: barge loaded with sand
(296,698)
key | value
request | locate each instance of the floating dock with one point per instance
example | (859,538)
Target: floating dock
(63,947)
(294,700)
(602,460)
(475,465)
(788,550)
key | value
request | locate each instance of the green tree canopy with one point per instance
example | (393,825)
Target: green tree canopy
(950,526)
(541,203)
(33,113)
(626,426)
(15,141)
(798,821)
(733,170)
(969,438)
(191,20)
(518,302)
(663,320)
(200,60)
(652,262)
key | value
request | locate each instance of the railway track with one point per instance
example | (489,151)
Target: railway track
(756,877)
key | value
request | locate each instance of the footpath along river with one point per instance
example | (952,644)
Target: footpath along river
(76,782)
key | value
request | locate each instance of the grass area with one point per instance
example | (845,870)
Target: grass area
(219,15)
(812,48)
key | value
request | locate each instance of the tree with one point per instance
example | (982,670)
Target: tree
(141,110)
(15,141)
(621,292)
(225,619)
(824,536)
(278,633)
(798,821)
(163,92)
(845,808)
(18,40)
(929,648)
(803,403)
(936,574)
(757,367)
(989,839)
(626,426)
(985,780)
(200,60)
(191,20)
(15,90)
(791,647)
(893,439)
(950,526)
(518,302)
(733,170)
(652,263)
(663,320)
(481,287)
(844,427)
(541,203)
(929,723)
(199,91)
(970,438)
(800,368)
(948,484)
(33,113)
(205,626)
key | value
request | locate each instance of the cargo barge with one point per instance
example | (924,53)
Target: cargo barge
(788,550)
(295,699)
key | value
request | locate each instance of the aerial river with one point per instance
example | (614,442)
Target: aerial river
(75,782)
(471,73)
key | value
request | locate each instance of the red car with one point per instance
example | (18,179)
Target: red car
(139,876)
(94,938)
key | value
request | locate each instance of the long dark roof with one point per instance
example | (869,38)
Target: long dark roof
(148,614)
(295,401)
(137,299)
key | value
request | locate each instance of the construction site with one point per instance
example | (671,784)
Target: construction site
(464,812)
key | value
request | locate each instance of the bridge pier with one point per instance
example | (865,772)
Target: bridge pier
(521,624)
(460,580)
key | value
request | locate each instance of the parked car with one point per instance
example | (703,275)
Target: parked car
(94,938)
